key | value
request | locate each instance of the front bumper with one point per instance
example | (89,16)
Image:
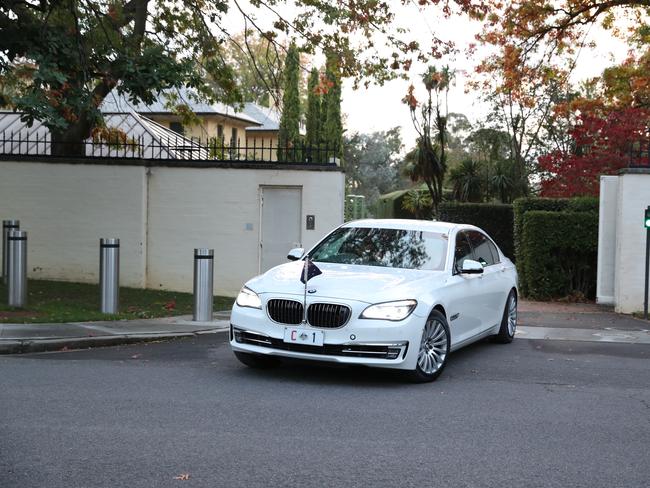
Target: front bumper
(377,343)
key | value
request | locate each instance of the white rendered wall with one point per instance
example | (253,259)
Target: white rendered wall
(607,239)
(220,209)
(67,208)
(633,198)
(160,215)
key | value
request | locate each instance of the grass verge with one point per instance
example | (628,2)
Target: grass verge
(59,301)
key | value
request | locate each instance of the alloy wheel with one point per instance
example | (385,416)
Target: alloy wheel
(433,347)
(512,315)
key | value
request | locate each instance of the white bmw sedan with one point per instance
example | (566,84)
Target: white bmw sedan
(397,294)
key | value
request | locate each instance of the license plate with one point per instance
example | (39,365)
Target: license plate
(309,337)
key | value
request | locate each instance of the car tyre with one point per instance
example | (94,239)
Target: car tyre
(256,361)
(508,321)
(433,349)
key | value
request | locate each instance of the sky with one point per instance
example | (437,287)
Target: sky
(379,108)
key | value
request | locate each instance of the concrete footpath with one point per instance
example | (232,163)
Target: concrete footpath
(583,322)
(537,321)
(23,338)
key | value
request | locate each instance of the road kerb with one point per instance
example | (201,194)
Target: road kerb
(25,346)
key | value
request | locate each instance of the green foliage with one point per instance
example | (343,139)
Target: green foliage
(257,65)
(418,203)
(559,254)
(391,205)
(494,218)
(480,166)
(428,160)
(59,59)
(372,163)
(289,133)
(583,204)
(313,126)
(467,181)
(71,54)
(355,207)
(332,125)
(522,206)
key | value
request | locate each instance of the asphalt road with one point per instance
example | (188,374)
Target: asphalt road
(528,414)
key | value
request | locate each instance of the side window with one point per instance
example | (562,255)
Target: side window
(495,251)
(481,246)
(462,251)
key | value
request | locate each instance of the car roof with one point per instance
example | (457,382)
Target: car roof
(406,224)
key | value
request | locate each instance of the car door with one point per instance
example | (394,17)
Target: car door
(493,294)
(464,294)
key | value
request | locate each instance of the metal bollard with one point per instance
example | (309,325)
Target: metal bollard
(109,275)
(7,226)
(17,268)
(203,283)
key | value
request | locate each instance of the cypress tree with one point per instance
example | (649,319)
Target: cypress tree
(333,127)
(289,133)
(313,110)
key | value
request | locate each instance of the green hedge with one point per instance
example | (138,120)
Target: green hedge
(389,206)
(558,253)
(495,219)
(523,205)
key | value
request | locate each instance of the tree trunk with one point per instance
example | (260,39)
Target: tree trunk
(72,141)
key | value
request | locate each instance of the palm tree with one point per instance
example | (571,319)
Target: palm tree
(466,181)
(428,160)
(502,181)
(418,202)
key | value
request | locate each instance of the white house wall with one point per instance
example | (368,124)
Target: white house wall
(67,208)
(607,239)
(160,215)
(633,198)
(220,209)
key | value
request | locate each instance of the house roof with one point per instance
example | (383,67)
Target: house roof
(268,117)
(152,139)
(116,103)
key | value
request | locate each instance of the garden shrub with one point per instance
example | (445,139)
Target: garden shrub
(583,204)
(494,218)
(523,205)
(558,254)
(520,207)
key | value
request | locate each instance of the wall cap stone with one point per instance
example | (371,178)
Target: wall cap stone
(172,163)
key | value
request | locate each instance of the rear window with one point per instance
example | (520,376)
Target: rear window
(390,248)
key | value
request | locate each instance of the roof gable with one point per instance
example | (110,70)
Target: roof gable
(116,103)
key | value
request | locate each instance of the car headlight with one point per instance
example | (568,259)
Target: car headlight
(248,298)
(395,311)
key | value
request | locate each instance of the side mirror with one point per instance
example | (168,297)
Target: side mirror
(295,254)
(471,267)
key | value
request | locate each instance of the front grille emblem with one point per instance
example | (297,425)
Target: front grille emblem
(313,290)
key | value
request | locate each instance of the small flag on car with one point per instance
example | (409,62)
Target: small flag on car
(309,270)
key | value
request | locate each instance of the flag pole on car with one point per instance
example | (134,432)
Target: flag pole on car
(304,279)
(309,270)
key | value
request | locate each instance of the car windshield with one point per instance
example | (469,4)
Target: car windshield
(390,248)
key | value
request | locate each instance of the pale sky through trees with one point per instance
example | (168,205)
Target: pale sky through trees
(381,108)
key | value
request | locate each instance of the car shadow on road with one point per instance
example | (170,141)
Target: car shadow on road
(300,371)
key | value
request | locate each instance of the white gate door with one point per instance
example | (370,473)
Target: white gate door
(281,211)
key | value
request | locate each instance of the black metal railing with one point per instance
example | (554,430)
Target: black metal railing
(640,155)
(165,147)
